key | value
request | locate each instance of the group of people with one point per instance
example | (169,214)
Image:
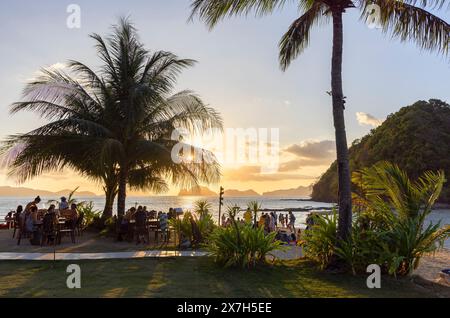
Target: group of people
(269,221)
(135,219)
(26,219)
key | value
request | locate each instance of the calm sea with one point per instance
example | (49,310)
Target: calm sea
(187,203)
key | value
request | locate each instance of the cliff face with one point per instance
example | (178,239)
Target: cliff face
(417,138)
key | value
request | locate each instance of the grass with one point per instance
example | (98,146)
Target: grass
(188,278)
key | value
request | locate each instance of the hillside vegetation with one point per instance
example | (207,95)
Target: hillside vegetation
(417,138)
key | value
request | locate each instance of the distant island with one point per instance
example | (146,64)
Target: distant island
(300,192)
(197,192)
(238,193)
(32,193)
(297,192)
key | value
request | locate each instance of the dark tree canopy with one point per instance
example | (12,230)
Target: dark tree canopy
(417,138)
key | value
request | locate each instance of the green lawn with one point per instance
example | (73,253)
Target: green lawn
(189,277)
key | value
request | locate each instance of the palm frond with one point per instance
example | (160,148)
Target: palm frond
(296,39)
(213,11)
(407,22)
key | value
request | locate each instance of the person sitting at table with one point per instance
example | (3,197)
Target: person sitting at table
(71,215)
(29,218)
(50,223)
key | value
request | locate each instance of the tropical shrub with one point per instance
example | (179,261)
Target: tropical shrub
(91,215)
(204,223)
(241,244)
(244,246)
(400,206)
(320,240)
(389,228)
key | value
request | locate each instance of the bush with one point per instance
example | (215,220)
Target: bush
(241,244)
(389,229)
(91,215)
(320,240)
(202,222)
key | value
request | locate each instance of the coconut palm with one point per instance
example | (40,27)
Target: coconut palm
(407,20)
(116,125)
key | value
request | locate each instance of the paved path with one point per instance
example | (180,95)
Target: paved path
(288,254)
(97,256)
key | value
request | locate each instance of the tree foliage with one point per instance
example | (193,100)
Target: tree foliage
(416,138)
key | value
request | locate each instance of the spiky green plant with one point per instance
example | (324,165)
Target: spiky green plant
(402,205)
(241,246)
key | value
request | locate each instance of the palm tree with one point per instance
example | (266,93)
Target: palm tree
(402,18)
(202,208)
(115,126)
(254,207)
(73,138)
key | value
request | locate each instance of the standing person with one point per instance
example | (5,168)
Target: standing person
(63,205)
(35,202)
(292,221)
(309,221)
(271,222)
(262,220)
(224,220)
(19,211)
(267,223)
(275,220)
(281,219)
(141,225)
(248,216)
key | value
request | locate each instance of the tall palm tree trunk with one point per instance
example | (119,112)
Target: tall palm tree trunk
(345,198)
(122,193)
(110,195)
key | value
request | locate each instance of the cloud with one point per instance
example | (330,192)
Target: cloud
(297,164)
(367,119)
(313,150)
(62,67)
(253,173)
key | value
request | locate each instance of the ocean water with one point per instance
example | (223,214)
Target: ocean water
(163,203)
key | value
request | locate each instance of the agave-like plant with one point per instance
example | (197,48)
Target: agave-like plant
(243,246)
(402,205)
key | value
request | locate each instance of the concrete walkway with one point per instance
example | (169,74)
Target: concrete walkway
(96,256)
(289,253)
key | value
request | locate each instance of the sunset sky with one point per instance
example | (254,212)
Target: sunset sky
(237,73)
